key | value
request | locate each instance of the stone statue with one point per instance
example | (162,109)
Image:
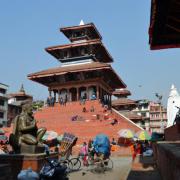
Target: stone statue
(26,137)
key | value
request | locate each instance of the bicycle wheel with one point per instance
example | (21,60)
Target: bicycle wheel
(108,164)
(68,164)
(76,164)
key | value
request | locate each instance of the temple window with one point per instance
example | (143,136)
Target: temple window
(3,91)
(71,77)
(1,102)
(65,54)
(1,115)
(75,52)
(82,51)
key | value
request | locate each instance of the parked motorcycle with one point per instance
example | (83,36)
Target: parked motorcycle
(53,170)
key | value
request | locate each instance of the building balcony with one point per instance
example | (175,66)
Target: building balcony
(158,119)
(3,108)
(3,95)
(157,125)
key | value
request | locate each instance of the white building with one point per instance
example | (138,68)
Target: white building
(143,110)
(3,104)
(154,115)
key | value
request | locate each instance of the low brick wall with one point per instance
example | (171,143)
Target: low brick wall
(172,133)
(167,156)
(17,162)
(5,172)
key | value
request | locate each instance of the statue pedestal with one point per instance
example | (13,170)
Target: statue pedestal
(18,162)
(31,149)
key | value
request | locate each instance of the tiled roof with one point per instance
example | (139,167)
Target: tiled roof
(123,101)
(114,79)
(65,46)
(91,26)
(54,50)
(131,115)
(19,94)
(121,92)
(73,68)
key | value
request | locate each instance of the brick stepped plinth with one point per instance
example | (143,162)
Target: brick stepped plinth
(58,118)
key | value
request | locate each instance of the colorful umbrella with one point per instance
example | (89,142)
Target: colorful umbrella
(50,135)
(126,133)
(143,135)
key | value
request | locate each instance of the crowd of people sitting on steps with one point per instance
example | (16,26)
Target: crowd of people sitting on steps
(51,101)
(62,100)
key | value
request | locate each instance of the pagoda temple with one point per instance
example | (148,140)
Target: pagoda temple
(86,76)
(85,67)
(125,105)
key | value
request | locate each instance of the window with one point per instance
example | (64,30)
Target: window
(1,102)
(3,91)
(1,115)
(142,123)
(143,114)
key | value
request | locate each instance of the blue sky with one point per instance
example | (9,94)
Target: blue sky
(27,27)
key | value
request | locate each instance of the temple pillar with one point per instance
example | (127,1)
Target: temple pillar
(100,93)
(77,95)
(105,98)
(110,100)
(54,95)
(97,92)
(102,96)
(68,95)
(59,95)
(50,92)
(87,91)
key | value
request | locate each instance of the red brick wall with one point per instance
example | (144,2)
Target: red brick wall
(168,160)
(172,133)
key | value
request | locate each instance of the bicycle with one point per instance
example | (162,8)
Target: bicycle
(98,163)
(73,164)
(101,164)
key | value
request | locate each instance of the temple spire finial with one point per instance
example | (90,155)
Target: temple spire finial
(22,88)
(81,22)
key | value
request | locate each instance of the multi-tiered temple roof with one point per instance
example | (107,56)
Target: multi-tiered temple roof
(84,62)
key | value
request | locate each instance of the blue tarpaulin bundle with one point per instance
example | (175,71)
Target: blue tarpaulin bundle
(101,144)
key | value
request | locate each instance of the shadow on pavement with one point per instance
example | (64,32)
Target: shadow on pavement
(144,168)
(144,175)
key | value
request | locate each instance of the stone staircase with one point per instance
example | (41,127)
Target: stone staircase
(58,118)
